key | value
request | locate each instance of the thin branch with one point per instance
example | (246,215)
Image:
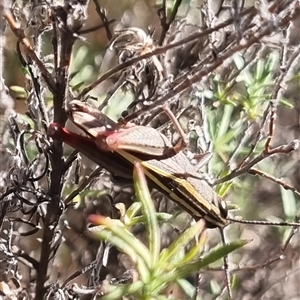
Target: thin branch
(166,22)
(273,111)
(101,12)
(83,185)
(280,149)
(92,29)
(281,182)
(273,259)
(19,33)
(250,11)
(256,140)
(226,266)
(246,43)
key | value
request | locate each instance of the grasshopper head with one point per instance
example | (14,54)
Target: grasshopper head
(90,120)
(57,132)
(218,219)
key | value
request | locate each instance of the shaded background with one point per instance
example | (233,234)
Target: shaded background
(256,197)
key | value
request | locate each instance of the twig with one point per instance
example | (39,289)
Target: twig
(162,15)
(19,33)
(286,73)
(273,259)
(101,12)
(293,145)
(165,22)
(190,80)
(226,265)
(273,110)
(29,259)
(281,182)
(83,185)
(92,29)
(250,11)
(66,25)
(256,140)
(237,6)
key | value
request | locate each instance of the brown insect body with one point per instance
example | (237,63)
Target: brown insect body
(173,175)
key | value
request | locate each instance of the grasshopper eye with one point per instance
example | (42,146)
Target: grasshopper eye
(75,105)
(223,208)
(53,130)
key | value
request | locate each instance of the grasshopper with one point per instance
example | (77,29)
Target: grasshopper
(168,170)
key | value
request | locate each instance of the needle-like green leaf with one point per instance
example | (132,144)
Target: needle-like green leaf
(125,241)
(212,256)
(182,241)
(122,290)
(143,195)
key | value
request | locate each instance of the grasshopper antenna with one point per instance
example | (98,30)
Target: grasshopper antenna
(255,222)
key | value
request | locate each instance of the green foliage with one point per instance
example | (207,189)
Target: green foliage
(83,70)
(233,107)
(289,202)
(156,268)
